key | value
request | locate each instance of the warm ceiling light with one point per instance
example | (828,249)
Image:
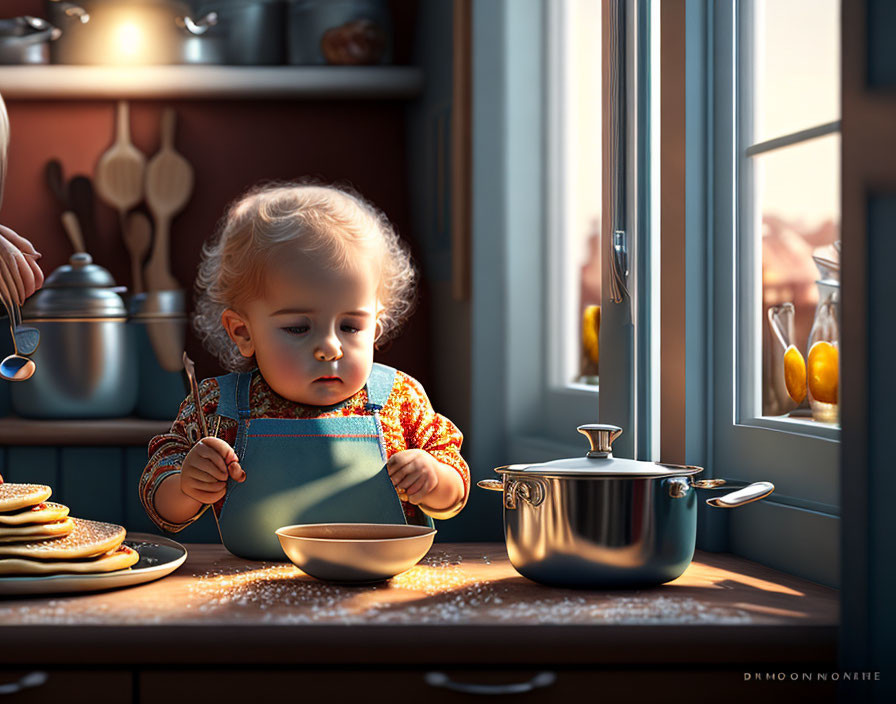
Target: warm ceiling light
(129,39)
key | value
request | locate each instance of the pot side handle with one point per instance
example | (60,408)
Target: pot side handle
(491,484)
(751,492)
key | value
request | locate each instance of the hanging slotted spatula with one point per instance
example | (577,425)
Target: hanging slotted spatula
(120,171)
(169,184)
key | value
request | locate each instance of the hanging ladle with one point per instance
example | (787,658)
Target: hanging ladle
(16,367)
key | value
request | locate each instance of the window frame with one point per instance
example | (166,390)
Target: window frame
(797,528)
(518,414)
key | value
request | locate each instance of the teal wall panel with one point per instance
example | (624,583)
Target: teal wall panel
(34,465)
(136,519)
(92,482)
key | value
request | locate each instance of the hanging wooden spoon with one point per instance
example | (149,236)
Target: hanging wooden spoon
(137,239)
(169,184)
(121,169)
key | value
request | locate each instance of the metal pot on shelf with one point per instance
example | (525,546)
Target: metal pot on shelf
(159,323)
(604,522)
(251,32)
(86,361)
(26,40)
(131,32)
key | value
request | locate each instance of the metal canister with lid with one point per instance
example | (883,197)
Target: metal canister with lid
(86,361)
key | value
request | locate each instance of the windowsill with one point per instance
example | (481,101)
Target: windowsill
(796,425)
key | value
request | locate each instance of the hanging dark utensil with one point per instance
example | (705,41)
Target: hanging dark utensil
(56,182)
(80,196)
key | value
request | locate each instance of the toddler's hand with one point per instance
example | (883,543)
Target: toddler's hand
(203,475)
(415,473)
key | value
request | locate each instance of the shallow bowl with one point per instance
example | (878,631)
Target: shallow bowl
(355,552)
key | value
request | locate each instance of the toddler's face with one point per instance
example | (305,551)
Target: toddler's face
(312,334)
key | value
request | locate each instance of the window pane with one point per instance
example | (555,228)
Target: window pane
(796,65)
(797,215)
(583,176)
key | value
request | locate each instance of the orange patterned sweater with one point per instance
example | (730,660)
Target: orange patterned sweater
(407,419)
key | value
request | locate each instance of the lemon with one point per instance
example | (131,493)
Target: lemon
(795,374)
(591,332)
(823,372)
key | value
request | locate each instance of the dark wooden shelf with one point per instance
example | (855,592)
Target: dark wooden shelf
(102,431)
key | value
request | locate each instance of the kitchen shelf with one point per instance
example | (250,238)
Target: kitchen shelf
(51,82)
(104,431)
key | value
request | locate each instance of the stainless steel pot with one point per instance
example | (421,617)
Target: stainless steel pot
(600,521)
(26,40)
(159,323)
(86,361)
(252,32)
(130,32)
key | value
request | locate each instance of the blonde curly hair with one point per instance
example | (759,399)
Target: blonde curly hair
(332,224)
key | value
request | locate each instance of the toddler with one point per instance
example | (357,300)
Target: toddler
(293,293)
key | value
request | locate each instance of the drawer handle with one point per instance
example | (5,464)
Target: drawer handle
(32,679)
(440,679)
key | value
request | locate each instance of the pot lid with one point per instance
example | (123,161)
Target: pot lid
(77,289)
(599,461)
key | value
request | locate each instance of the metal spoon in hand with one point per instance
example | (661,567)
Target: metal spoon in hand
(15,367)
(26,338)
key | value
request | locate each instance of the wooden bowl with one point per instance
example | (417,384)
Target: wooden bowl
(355,552)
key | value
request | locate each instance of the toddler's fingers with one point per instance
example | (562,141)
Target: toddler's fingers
(224,450)
(428,487)
(236,472)
(414,487)
(206,450)
(209,465)
(399,460)
(206,472)
(399,475)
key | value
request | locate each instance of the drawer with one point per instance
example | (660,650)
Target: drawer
(66,686)
(436,686)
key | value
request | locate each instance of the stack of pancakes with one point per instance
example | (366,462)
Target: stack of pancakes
(37,537)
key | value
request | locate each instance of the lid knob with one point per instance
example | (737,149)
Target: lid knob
(601,438)
(80,259)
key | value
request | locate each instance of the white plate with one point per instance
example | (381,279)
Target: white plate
(159,557)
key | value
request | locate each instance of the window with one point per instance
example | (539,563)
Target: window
(789,64)
(774,187)
(574,191)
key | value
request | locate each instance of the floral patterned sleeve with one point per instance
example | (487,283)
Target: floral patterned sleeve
(427,430)
(167,451)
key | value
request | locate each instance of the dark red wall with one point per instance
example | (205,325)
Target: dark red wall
(231,145)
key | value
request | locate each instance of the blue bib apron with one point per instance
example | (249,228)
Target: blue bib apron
(304,470)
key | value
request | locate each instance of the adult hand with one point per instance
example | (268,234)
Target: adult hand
(18,264)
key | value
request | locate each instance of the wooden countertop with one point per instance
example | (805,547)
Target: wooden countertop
(463,604)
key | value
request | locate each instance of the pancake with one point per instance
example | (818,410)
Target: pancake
(45,512)
(120,558)
(16,496)
(88,539)
(36,531)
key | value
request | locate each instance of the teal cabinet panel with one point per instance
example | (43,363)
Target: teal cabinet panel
(136,518)
(204,530)
(34,465)
(92,482)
